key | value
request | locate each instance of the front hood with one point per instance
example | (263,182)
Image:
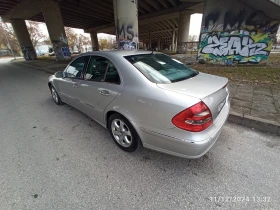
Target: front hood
(199,86)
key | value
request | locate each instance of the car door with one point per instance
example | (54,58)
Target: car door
(100,86)
(69,85)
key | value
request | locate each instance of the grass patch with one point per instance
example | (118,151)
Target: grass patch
(267,72)
(249,74)
(53,58)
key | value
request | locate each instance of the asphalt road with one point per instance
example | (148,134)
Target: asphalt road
(54,157)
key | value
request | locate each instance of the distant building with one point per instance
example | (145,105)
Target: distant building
(42,48)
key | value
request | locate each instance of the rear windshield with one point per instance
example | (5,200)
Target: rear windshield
(160,68)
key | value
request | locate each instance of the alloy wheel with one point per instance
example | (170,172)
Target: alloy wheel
(54,95)
(121,133)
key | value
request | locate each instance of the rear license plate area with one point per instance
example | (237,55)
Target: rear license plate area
(221,105)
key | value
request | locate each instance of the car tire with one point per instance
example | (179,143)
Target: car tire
(123,133)
(56,98)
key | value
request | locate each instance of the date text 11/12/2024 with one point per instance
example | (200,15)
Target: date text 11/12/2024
(237,199)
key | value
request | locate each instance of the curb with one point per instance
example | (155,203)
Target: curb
(234,117)
(255,123)
(33,67)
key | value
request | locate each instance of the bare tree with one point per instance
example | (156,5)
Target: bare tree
(103,44)
(72,37)
(7,32)
(36,34)
(83,40)
(193,38)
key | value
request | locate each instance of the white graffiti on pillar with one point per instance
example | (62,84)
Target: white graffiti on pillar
(234,45)
(63,39)
(61,48)
(28,53)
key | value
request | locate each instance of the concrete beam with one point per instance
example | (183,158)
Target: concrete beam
(167,14)
(275,2)
(269,7)
(20,11)
(111,28)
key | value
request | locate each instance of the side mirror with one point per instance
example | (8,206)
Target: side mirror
(59,74)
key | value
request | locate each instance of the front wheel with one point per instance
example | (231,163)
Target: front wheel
(123,133)
(55,96)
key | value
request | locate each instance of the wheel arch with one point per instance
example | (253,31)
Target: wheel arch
(111,112)
(49,84)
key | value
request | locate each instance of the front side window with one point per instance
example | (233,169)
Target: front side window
(101,69)
(160,68)
(75,69)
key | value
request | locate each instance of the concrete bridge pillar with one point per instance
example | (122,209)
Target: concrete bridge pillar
(158,44)
(94,41)
(183,31)
(150,41)
(24,40)
(126,22)
(53,20)
(173,40)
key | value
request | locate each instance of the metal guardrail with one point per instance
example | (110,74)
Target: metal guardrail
(4,52)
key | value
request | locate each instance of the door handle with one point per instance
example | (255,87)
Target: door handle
(75,85)
(104,92)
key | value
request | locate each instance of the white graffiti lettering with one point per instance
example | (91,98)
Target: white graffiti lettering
(63,39)
(234,45)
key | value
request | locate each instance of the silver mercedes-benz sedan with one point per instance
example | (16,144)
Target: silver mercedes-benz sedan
(146,98)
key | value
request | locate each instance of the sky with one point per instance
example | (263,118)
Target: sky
(194,27)
(195,24)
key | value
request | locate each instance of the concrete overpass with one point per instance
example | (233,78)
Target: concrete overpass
(154,22)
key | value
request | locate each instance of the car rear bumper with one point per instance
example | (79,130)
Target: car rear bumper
(185,147)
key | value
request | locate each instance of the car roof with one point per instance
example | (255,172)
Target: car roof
(121,52)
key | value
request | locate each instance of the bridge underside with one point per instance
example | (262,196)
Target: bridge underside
(239,30)
(158,17)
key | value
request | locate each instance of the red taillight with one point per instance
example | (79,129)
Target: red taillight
(195,119)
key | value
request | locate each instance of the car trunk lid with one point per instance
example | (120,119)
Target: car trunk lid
(208,88)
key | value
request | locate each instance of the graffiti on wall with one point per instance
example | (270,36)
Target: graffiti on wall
(61,49)
(244,20)
(240,47)
(28,53)
(128,39)
(235,34)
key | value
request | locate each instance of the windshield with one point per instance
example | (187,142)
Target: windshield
(160,68)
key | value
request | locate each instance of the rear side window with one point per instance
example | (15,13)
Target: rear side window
(160,68)
(75,69)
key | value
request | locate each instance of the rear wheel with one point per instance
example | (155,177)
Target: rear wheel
(55,96)
(123,133)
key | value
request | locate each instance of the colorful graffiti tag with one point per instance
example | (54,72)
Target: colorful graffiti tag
(238,46)
(235,33)
(61,48)
(28,53)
